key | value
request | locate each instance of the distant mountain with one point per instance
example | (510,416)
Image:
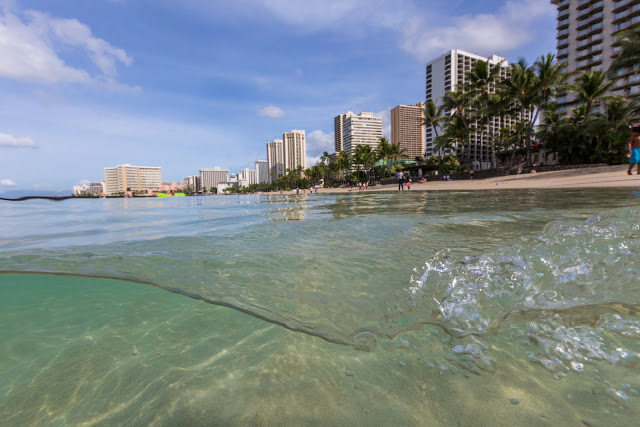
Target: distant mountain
(15,194)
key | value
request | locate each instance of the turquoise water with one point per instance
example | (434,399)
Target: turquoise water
(362,309)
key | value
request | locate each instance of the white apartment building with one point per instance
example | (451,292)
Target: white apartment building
(586,37)
(358,129)
(447,73)
(262,171)
(246,177)
(138,178)
(192,182)
(295,149)
(275,159)
(212,177)
(407,130)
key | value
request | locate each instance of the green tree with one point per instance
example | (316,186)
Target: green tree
(432,117)
(384,152)
(459,104)
(629,55)
(590,88)
(482,80)
(521,86)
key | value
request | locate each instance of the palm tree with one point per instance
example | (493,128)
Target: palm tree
(482,80)
(433,116)
(459,104)
(629,56)
(384,151)
(396,151)
(590,89)
(362,157)
(620,111)
(344,161)
(550,82)
(521,85)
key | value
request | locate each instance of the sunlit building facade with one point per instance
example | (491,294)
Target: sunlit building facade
(137,178)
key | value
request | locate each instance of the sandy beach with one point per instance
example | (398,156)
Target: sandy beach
(596,177)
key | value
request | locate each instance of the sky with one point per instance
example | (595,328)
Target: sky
(190,84)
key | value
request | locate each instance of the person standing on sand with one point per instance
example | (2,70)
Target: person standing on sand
(400,176)
(634,149)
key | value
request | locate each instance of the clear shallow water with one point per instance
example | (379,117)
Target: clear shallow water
(460,302)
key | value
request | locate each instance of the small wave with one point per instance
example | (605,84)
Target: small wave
(568,291)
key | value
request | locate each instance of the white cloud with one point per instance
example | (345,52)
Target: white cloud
(15,142)
(420,30)
(386,122)
(317,142)
(272,111)
(85,182)
(28,50)
(7,182)
(512,26)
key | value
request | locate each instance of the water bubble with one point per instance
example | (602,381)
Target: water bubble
(620,397)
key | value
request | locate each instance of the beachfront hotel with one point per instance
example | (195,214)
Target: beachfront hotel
(407,130)
(357,129)
(137,178)
(247,177)
(447,73)
(262,171)
(213,177)
(295,150)
(275,159)
(192,182)
(287,153)
(586,37)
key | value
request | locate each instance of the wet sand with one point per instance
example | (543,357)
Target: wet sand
(596,177)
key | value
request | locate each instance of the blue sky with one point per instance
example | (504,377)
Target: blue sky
(186,85)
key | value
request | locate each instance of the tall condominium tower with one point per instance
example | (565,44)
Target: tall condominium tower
(192,182)
(338,126)
(213,177)
(407,129)
(448,74)
(294,148)
(275,159)
(587,38)
(138,178)
(247,177)
(360,129)
(262,171)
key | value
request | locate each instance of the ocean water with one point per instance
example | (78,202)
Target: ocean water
(469,308)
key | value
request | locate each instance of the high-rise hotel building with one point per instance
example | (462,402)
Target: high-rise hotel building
(137,178)
(586,37)
(407,130)
(262,171)
(356,129)
(275,159)
(295,149)
(287,153)
(213,177)
(448,73)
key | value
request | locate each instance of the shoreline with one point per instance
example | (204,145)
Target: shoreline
(597,177)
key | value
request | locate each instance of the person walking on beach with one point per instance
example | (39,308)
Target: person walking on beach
(400,176)
(409,184)
(634,149)
(471,173)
